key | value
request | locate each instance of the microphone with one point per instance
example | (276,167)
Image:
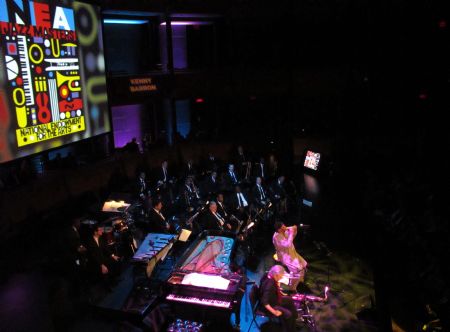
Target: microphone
(303,226)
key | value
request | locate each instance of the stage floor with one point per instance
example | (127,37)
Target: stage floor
(351,290)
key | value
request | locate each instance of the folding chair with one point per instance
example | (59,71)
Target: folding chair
(256,310)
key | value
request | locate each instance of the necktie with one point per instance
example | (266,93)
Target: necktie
(261,192)
(239,200)
(220,220)
(233,176)
(222,208)
(161,215)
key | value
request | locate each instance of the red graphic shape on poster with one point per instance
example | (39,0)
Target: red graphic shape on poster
(42,14)
(44,114)
(64,91)
(67,106)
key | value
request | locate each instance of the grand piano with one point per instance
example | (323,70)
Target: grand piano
(202,286)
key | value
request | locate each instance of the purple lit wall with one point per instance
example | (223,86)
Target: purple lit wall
(126,123)
(179,46)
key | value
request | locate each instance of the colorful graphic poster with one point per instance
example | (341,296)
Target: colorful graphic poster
(312,160)
(47,86)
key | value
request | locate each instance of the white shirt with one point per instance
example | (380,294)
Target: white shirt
(222,207)
(158,212)
(241,200)
(219,218)
(233,176)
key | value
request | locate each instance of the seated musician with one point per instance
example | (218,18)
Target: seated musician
(230,178)
(164,182)
(157,222)
(222,209)
(260,195)
(212,220)
(190,195)
(272,300)
(189,170)
(210,185)
(102,262)
(240,203)
(162,174)
(283,241)
(143,191)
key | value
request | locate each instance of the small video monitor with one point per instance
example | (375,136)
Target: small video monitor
(312,160)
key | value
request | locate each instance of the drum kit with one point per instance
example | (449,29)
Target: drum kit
(117,231)
(302,302)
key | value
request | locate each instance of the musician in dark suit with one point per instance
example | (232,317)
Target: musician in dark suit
(73,254)
(143,190)
(273,301)
(189,170)
(156,221)
(239,203)
(74,250)
(210,185)
(190,195)
(260,194)
(102,262)
(260,169)
(221,209)
(164,182)
(162,176)
(230,178)
(212,220)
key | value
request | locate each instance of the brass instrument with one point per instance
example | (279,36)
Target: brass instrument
(195,190)
(195,215)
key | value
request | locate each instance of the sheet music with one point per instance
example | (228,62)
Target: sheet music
(285,279)
(205,280)
(113,206)
(184,235)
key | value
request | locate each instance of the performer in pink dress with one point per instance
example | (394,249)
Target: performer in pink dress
(283,240)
